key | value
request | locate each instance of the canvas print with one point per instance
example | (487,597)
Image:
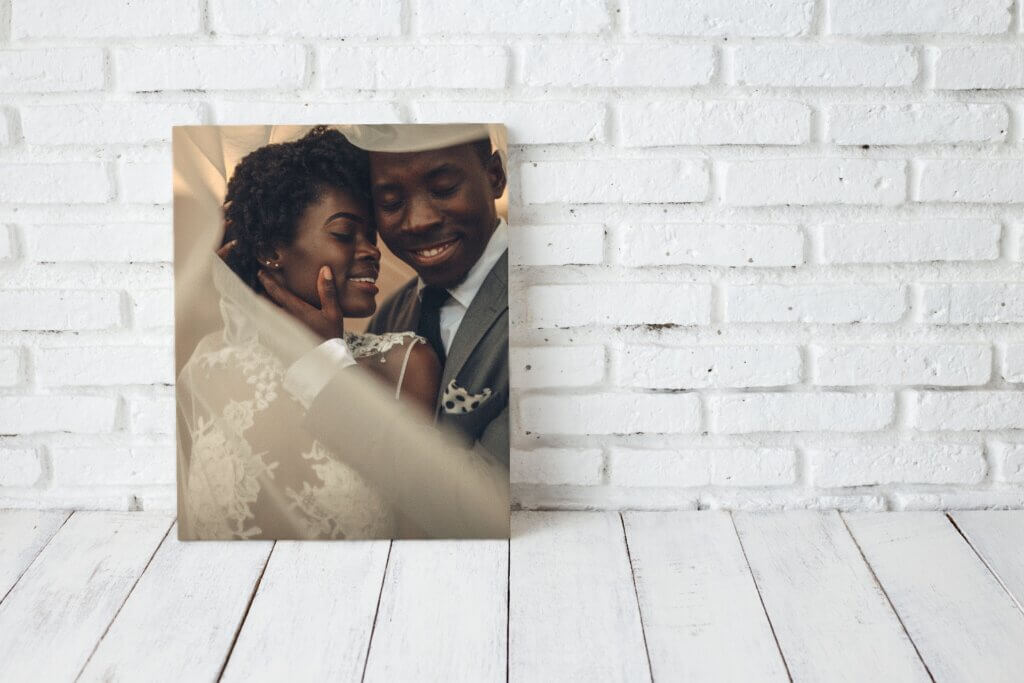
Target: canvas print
(341,329)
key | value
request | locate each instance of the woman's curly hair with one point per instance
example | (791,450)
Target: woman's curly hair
(273,185)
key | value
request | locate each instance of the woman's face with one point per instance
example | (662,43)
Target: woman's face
(335,231)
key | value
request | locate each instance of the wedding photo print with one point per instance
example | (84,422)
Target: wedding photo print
(341,331)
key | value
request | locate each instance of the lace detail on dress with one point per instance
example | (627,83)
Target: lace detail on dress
(370,344)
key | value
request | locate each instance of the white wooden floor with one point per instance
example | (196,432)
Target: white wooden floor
(576,596)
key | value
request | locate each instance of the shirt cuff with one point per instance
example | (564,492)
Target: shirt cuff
(307,376)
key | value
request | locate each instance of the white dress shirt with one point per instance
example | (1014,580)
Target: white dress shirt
(462,294)
(307,377)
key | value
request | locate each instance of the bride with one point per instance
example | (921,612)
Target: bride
(299,221)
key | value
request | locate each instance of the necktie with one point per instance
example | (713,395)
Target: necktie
(430,318)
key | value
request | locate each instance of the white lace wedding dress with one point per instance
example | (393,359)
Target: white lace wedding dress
(246,467)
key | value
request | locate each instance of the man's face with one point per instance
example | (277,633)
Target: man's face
(435,209)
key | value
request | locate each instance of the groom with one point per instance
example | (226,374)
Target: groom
(435,211)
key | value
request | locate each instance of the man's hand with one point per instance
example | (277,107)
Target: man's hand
(328,321)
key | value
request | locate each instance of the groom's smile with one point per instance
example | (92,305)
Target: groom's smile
(435,209)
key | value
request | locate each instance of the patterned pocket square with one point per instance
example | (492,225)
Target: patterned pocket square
(457,400)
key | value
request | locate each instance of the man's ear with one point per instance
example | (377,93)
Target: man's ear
(495,174)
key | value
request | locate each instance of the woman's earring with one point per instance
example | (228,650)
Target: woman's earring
(271,264)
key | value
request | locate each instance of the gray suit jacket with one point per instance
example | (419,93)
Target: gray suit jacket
(473,396)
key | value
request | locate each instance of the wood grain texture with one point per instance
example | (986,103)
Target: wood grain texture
(313,613)
(443,613)
(179,622)
(23,533)
(59,610)
(998,537)
(831,619)
(966,627)
(573,614)
(697,599)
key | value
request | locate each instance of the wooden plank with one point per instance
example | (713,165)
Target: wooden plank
(443,613)
(59,610)
(313,613)
(698,602)
(966,627)
(179,622)
(998,536)
(573,613)
(23,533)
(830,617)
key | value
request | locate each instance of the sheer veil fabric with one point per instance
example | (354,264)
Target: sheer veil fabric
(252,462)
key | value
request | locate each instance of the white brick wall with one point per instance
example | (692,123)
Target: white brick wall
(766,255)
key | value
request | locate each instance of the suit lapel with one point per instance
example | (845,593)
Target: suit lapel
(488,304)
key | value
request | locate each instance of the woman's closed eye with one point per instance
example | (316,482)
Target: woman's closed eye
(345,237)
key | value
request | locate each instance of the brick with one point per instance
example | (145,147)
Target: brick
(37,414)
(236,67)
(8,249)
(800,412)
(106,123)
(304,113)
(825,66)
(88,467)
(59,310)
(968,410)
(610,414)
(117,243)
(881,17)
(711,18)
(934,364)
(1009,462)
(969,499)
(528,123)
(152,308)
(772,182)
(554,245)
(621,66)
(815,303)
(104,366)
(416,66)
(693,367)
(961,239)
(1013,363)
(556,366)
(21,467)
(55,183)
(145,182)
(557,467)
(981,181)
(648,181)
(51,70)
(916,123)
(103,19)
(306,18)
(151,414)
(979,67)
(916,463)
(524,17)
(701,467)
(713,122)
(703,244)
(618,304)
(6,131)
(973,302)
(10,367)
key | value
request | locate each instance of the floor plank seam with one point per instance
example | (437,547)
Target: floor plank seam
(760,598)
(376,610)
(245,614)
(990,568)
(125,601)
(36,556)
(636,596)
(508,609)
(888,600)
